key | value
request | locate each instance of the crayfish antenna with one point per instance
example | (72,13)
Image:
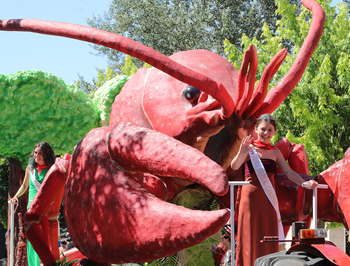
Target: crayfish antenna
(261,89)
(277,94)
(246,84)
(127,46)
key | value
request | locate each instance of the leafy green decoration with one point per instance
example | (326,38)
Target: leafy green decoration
(66,262)
(105,95)
(37,106)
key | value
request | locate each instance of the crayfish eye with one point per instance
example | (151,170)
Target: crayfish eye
(191,93)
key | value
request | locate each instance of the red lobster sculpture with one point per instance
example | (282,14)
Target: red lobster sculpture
(172,126)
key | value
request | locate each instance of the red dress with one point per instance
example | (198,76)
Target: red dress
(257,217)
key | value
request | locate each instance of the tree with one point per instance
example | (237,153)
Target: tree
(103,77)
(35,107)
(347,2)
(90,87)
(172,26)
(316,113)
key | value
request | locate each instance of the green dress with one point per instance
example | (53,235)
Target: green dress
(33,258)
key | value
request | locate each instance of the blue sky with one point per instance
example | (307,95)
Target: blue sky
(60,56)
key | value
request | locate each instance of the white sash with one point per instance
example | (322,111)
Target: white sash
(35,182)
(267,186)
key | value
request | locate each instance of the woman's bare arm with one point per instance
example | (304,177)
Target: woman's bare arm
(290,173)
(23,188)
(242,153)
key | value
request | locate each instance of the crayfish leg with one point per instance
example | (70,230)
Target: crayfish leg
(38,240)
(42,231)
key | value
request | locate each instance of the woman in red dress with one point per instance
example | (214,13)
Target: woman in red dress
(257,217)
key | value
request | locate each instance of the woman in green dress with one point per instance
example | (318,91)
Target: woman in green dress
(40,160)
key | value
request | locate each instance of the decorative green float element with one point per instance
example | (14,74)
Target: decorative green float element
(37,106)
(197,198)
(105,95)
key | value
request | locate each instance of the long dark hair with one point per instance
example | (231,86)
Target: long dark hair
(48,155)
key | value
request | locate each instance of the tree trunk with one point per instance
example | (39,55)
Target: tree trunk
(16,178)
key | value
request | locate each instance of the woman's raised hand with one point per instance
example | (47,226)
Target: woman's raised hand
(241,156)
(245,144)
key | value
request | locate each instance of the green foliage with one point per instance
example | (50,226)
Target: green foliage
(101,78)
(37,106)
(84,85)
(129,67)
(172,26)
(168,261)
(104,76)
(108,84)
(65,262)
(332,225)
(347,2)
(105,95)
(316,113)
(4,185)
(200,255)
(145,65)
(196,198)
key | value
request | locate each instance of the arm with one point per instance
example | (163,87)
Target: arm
(291,174)
(242,153)
(23,188)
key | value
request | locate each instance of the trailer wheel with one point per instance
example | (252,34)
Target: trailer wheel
(291,258)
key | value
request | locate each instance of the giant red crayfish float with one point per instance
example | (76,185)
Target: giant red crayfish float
(175,125)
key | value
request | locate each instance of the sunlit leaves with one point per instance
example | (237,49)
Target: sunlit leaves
(316,113)
(129,67)
(343,70)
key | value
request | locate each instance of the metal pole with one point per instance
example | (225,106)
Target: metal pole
(232,185)
(12,234)
(314,208)
(314,203)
